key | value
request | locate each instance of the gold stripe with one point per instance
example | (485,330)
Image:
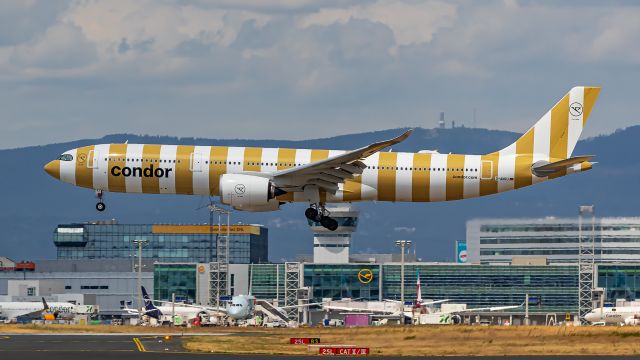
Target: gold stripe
(353,189)
(559,133)
(217,166)
(421,177)
(455,177)
(150,158)
(590,97)
(387,162)
(117,157)
(317,155)
(84,174)
(252,158)
(489,186)
(184,175)
(524,160)
(286,159)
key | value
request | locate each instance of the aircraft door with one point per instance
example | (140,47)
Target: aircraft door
(195,162)
(486,172)
(93,159)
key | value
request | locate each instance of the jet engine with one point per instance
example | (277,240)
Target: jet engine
(456,319)
(249,192)
(632,321)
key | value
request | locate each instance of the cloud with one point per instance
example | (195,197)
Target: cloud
(412,23)
(21,21)
(61,47)
(301,69)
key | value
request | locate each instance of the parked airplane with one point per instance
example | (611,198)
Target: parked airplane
(240,307)
(622,315)
(187,312)
(37,310)
(263,179)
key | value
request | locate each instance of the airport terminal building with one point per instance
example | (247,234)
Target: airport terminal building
(98,261)
(166,242)
(498,241)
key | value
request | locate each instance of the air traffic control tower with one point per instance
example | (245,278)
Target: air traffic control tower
(332,247)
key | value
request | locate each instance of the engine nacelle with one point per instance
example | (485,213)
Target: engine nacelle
(632,321)
(249,193)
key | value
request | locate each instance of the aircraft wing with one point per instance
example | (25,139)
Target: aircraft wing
(202,307)
(298,306)
(493,308)
(351,309)
(328,173)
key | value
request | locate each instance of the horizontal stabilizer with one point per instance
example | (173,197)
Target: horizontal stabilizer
(545,168)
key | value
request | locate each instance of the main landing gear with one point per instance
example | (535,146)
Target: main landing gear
(100,206)
(318,213)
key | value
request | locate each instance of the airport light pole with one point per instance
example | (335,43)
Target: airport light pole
(140,243)
(402,244)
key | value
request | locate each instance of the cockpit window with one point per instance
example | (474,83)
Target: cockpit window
(65,157)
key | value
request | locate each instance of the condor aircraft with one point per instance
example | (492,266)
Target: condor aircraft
(40,310)
(263,179)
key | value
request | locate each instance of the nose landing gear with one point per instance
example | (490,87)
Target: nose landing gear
(318,213)
(100,206)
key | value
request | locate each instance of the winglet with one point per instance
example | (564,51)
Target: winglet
(374,148)
(44,303)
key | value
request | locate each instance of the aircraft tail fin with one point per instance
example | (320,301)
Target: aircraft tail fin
(556,134)
(150,309)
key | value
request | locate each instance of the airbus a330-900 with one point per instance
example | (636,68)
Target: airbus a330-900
(263,179)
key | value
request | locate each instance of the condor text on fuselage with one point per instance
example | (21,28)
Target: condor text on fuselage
(147,172)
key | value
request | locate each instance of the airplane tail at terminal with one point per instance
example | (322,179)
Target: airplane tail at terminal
(150,309)
(556,134)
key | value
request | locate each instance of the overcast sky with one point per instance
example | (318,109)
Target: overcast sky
(297,69)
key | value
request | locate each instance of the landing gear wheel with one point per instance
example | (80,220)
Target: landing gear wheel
(100,206)
(329,223)
(311,214)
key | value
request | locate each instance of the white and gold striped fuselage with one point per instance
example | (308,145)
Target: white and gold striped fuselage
(388,176)
(385,176)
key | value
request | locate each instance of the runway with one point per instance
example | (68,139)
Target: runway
(150,346)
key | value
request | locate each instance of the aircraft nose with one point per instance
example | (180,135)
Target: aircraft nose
(53,168)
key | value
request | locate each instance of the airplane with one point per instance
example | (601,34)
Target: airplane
(622,315)
(187,312)
(240,307)
(37,310)
(264,179)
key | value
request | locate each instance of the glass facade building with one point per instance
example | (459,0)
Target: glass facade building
(620,281)
(338,281)
(267,281)
(550,288)
(167,243)
(490,241)
(554,288)
(176,278)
